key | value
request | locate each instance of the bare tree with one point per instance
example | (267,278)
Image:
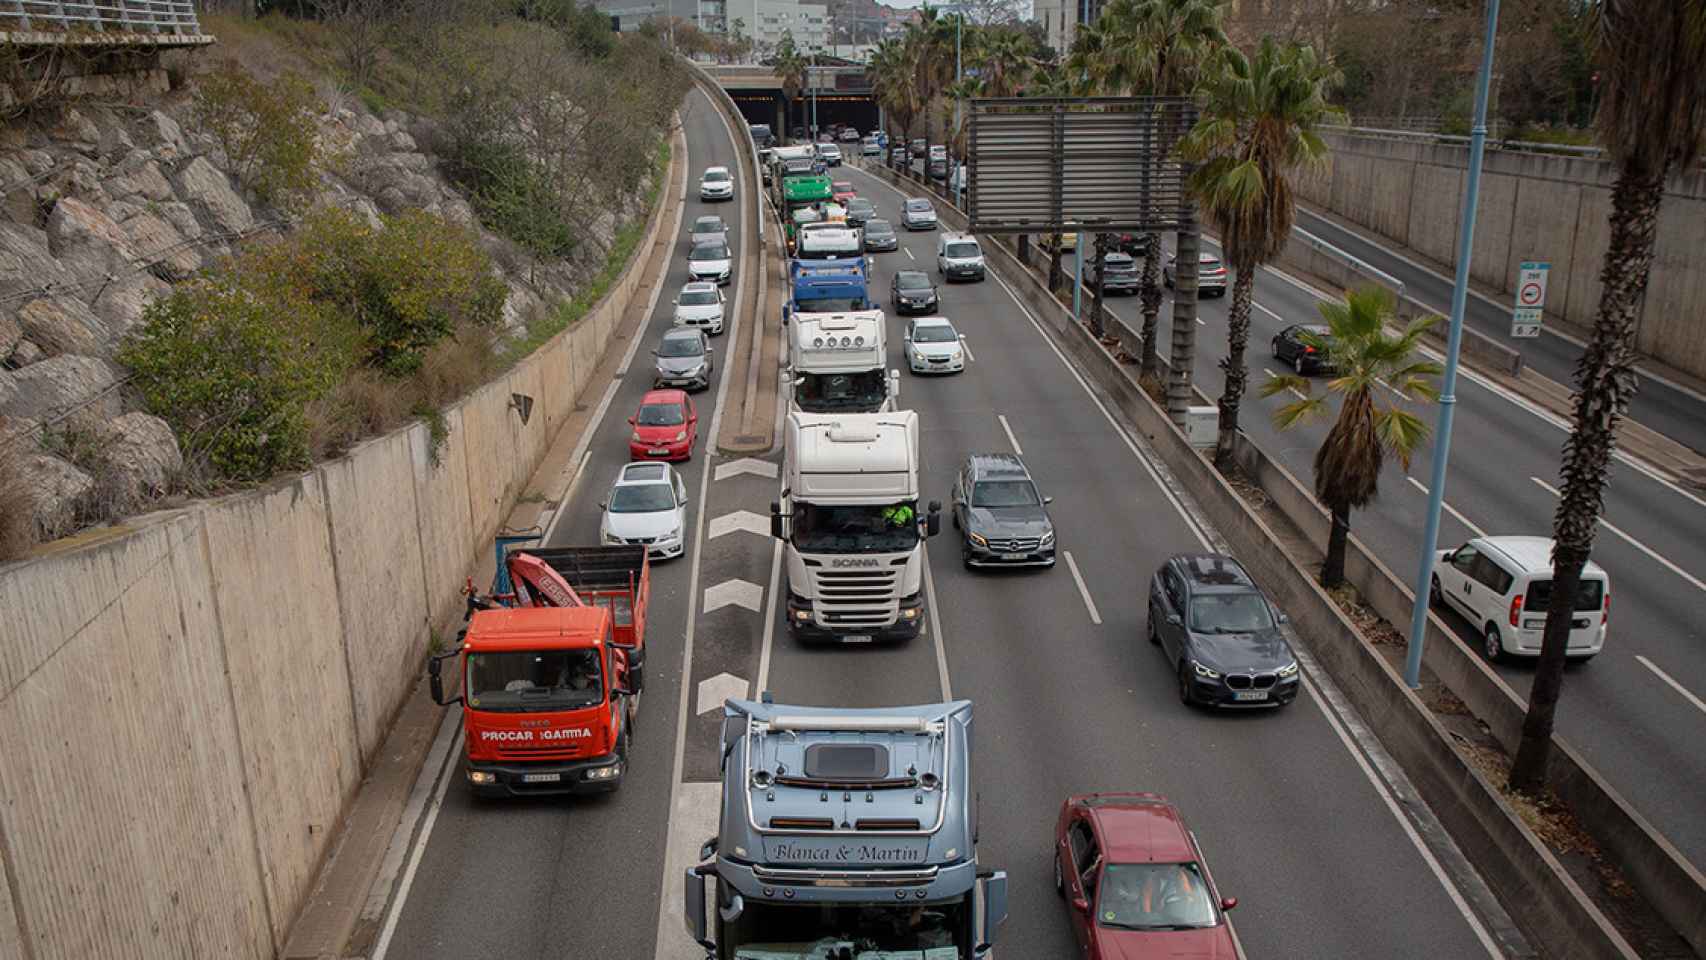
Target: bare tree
(358,28)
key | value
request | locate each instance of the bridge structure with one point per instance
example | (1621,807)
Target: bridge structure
(843,95)
(109,23)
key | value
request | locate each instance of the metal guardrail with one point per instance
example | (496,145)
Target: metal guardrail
(168,17)
(1516,146)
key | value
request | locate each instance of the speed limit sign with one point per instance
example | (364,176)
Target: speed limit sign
(1530,298)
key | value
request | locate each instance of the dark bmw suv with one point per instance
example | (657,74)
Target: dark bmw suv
(1220,633)
(1002,519)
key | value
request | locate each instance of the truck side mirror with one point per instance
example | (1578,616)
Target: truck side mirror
(776,519)
(995,909)
(933,522)
(435,682)
(694,912)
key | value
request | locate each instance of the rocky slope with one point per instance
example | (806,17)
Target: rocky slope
(100,211)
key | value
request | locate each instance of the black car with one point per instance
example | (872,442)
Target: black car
(1119,273)
(860,210)
(1220,633)
(912,292)
(1136,244)
(1305,347)
(1002,519)
(880,235)
(938,169)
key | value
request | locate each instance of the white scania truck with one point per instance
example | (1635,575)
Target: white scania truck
(851,518)
(837,361)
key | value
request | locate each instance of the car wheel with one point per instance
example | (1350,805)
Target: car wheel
(1167,279)
(965,554)
(956,520)
(1297,364)
(1149,628)
(1059,884)
(1276,348)
(1435,595)
(1492,645)
(1186,697)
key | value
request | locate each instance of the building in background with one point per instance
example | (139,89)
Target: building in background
(1061,19)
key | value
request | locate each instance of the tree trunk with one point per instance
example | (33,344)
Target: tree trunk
(1025,249)
(1605,383)
(1233,366)
(1096,287)
(1184,355)
(1054,266)
(1151,294)
(1333,570)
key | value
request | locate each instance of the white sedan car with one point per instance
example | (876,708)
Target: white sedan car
(700,304)
(647,505)
(716,184)
(711,261)
(933,346)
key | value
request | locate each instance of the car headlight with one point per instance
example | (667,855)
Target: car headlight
(1288,671)
(1047,539)
(1205,672)
(954,356)
(977,538)
(681,436)
(637,438)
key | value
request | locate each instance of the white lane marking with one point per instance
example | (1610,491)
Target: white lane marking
(1386,797)
(1292,390)
(909,255)
(1635,463)
(740,520)
(1201,322)
(769,620)
(936,629)
(733,592)
(1679,688)
(1010,438)
(734,468)
(426,785)
(415,855)
(1083,591)
(714,690)
(966,346)
(1649,551)
(1419,485)
(1265,310)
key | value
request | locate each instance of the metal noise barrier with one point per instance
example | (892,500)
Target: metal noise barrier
(1098,163)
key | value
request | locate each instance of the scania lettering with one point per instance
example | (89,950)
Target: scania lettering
(845,834)
(850,495)
(550,668)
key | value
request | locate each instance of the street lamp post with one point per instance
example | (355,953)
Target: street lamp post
(1454,340)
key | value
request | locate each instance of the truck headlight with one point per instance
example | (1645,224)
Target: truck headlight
(481,776)
(1288,671)
(610,772)
(802,615)
(1205,672)
(910,613)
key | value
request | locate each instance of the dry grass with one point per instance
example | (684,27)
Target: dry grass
(368,403)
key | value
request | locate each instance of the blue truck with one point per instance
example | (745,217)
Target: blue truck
(837,345)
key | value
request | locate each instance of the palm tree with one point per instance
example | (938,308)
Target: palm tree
(1652,56)
(1159,47)
(893,73)
(1259,127)
(1003,60)
(790,67)
(1349,460)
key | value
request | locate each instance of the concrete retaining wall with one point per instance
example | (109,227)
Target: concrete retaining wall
(188,701)
(1532,206)
(1551,908)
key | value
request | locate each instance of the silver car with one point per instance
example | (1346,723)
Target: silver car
(716,184)
(707,229)
(683,360)
(933,346)
(918,214)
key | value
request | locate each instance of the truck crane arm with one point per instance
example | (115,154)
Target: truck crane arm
(536,585)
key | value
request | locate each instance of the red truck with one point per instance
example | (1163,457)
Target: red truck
(552,663)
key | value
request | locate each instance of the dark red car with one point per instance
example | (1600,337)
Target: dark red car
(841,191)
(1135,881)
(665,426)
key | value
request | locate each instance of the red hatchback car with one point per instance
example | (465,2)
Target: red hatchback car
(665,426)
(1136,882)
(842,191)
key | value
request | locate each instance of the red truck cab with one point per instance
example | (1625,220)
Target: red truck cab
(545,699)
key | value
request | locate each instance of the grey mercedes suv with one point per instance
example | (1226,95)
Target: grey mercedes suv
(1003,520)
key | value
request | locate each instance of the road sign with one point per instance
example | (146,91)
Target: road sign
(1530,298)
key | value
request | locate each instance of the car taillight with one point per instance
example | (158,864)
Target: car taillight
(1516,609)
(1605,609)
(1308,349)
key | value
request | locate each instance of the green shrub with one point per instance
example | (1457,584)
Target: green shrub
(231,361)
(512,197)
(266,130)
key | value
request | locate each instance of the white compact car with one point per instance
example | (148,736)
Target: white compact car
(932,345)
(700,304)
(647,505)
(716,184)
(711,261)
(829,153)
(1504,586)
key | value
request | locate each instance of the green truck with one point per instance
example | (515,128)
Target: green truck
(802,192)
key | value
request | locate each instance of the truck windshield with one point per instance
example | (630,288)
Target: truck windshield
(534,680)
(831,304)
(862,528)
(833,392)
(770,931)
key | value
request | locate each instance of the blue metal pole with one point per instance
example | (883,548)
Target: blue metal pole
(1448,388)
(1078,277)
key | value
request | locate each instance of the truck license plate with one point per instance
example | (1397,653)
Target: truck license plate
(1012,556)
(857,638)
(1250,695)
(541,777)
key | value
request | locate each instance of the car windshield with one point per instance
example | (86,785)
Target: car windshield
(1154,896)
(960,249)
(855,529)
(912,281)
(831,931)
(1589,595)
(527,681)
(1120,262)
(680,347)
(1230,613)
(661,415)
(642,498)
(878,228)
(1210,264)
(832,304)
(832,392)
(934,333)
(918,206)
(1004,493)
(716,176)
(841,186)
(709,251)
(698,298)
(708,225)
(860,204)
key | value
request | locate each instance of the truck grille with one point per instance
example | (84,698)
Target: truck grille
(539,751)
(1247,681)
(856,598)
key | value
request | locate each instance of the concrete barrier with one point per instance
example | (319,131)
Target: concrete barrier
(1551,908)
(189,700)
